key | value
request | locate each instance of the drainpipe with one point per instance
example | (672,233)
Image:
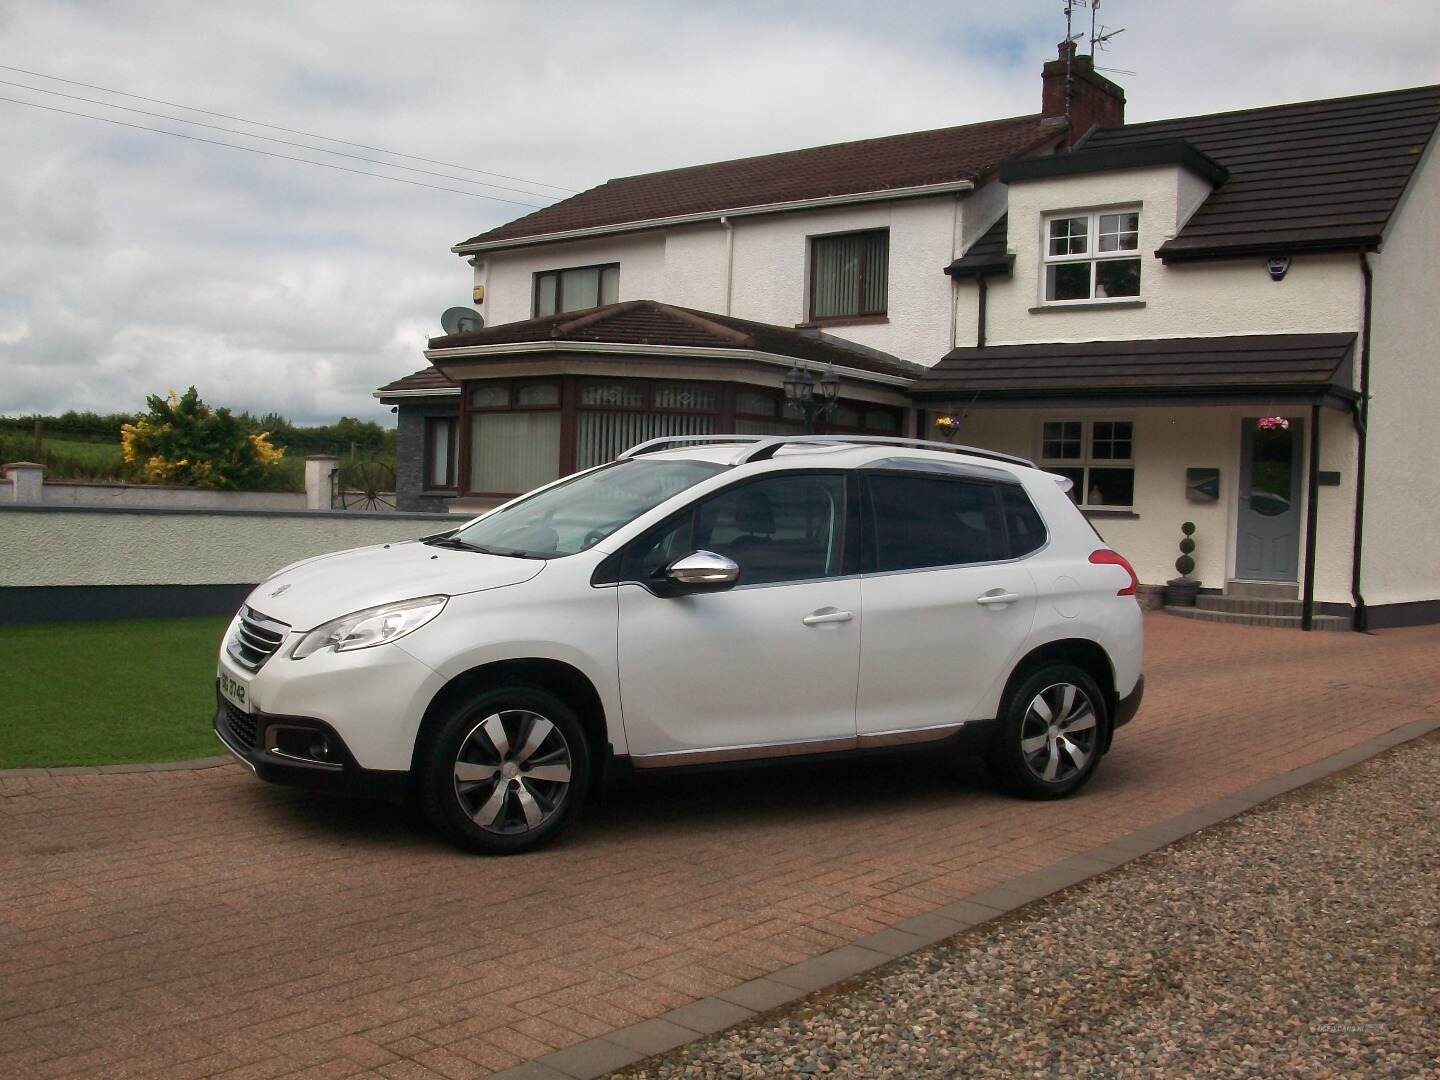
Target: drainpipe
(729,227)
(1361,415)
(1312,514)
(984,284)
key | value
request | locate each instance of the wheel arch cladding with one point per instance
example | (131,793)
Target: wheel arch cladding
(568,683)
(1085,654)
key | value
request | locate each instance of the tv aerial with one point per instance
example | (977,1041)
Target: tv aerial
(461,320)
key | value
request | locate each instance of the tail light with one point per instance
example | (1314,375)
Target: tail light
(1106,557)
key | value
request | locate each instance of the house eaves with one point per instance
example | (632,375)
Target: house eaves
(470,352)
(915,192)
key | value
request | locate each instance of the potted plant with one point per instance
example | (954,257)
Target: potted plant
(1181,591)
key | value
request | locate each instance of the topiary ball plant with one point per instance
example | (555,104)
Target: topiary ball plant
(1185,564)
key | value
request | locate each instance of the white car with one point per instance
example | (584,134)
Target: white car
(697,601)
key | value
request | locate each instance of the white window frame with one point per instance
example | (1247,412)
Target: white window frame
(1087,460)
(1091,255)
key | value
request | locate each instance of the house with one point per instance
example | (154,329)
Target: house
(1224,319)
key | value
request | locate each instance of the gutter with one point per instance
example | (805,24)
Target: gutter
(1361,416)
(439,391)
(464,352)
(913,192)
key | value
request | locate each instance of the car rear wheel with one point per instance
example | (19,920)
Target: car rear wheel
(1051,728)
(505,771)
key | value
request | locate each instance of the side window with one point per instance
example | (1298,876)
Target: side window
(922,521)
(1027,530)
(783,528)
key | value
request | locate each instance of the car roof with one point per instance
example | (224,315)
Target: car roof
(838,454)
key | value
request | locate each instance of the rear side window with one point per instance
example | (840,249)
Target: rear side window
(921,522)
(1022,520)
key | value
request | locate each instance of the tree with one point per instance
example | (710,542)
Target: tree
(183,440)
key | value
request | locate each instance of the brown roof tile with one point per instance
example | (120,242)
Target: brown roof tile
(428,379)
(649,322)
(1318,175)
(970,152)
(1254,363)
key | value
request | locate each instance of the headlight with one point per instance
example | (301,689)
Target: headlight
(373,626)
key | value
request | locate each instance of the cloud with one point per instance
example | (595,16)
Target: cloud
(131,262)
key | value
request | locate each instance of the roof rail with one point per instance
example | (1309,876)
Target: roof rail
(652,446)
(769,446)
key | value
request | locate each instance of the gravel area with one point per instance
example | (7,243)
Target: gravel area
(1300,939)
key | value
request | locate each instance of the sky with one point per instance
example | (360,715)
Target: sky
(132,263)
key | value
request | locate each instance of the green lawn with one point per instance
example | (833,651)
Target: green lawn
(99,693)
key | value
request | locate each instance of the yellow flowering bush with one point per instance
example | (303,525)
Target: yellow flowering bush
(181,440)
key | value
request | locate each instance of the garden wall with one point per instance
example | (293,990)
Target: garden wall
(81,562)
(81,493)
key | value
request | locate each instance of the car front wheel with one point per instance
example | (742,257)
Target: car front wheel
(505,771)
(1050,732)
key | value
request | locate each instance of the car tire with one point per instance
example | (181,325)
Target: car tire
(1052,726)
(479,775)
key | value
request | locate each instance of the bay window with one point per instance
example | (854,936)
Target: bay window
(1092,256)
(1097,456)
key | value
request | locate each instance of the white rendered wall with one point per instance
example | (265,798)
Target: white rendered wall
(1402,492)
(1320,294)
(686,265)
(49,546)
(1167,442)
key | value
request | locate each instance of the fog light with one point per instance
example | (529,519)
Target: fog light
(300,743)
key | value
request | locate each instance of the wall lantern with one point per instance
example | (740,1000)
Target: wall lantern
(1278,265)
(812,398)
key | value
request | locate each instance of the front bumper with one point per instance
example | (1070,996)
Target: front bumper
(1128,706)
(279,749)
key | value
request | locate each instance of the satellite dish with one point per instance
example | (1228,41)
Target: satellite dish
(461,320)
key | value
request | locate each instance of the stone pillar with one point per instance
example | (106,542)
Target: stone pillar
(28,480)
(319,469)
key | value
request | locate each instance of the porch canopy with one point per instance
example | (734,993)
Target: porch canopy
(1292,369)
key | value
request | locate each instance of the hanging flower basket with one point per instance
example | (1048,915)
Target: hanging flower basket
(1273,423)
(948,426)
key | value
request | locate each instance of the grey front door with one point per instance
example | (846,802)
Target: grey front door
(1268,545)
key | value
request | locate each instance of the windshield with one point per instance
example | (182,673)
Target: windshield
(580,513)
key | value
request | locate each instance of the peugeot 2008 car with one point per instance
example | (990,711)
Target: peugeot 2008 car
(696,601)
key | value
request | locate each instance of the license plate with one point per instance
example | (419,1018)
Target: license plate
(234,690)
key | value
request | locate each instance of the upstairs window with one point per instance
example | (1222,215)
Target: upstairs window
(1092,256)
(576,288)
(849,275)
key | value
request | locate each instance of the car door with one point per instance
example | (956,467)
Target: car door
(768,666)
(947,609)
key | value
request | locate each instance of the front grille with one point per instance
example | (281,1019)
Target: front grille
(241,725)
(255,639)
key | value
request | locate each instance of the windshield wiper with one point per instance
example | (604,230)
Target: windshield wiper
(464,545)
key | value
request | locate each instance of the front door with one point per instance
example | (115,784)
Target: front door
(1268,544)
(769,666)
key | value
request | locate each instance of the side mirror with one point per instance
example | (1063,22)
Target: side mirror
(701,571)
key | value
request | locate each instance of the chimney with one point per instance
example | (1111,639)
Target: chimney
(1093,99)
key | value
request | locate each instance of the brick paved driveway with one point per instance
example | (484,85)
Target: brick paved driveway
(200,923)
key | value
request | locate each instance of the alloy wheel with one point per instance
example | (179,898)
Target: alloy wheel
(1057,736)
(512,773)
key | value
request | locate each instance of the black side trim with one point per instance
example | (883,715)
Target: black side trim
(1127,707)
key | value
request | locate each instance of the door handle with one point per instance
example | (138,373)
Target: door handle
(827,615)
(996,598)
